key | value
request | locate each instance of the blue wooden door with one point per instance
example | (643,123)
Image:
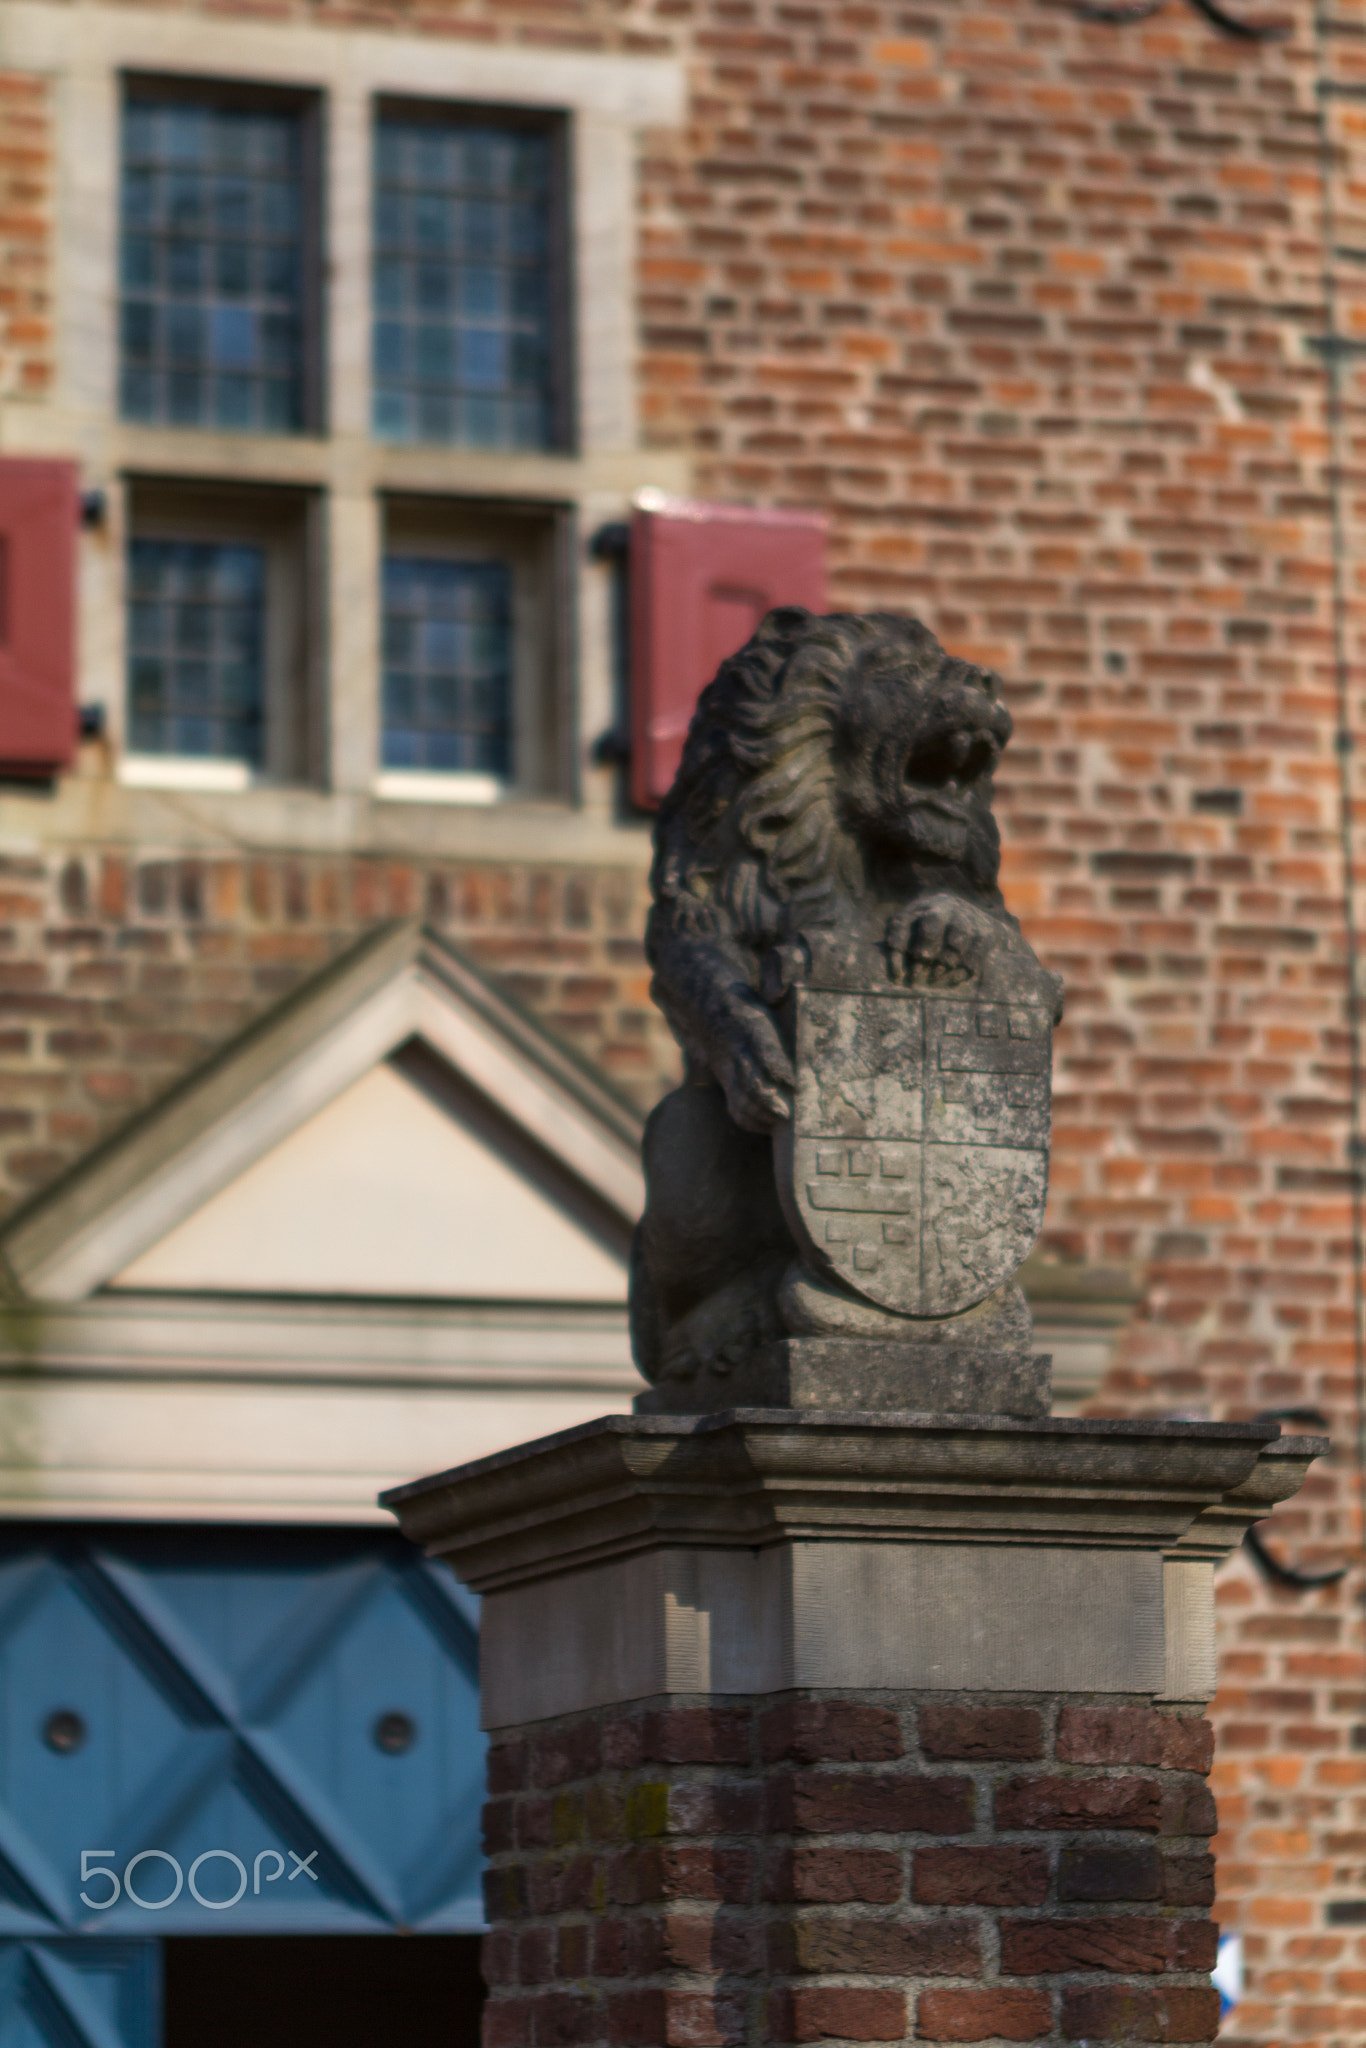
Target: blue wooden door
(80,1994)
(232,1731)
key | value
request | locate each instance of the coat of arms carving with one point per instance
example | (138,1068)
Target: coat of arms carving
(915,1165)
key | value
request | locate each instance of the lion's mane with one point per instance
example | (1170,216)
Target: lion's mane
(749,841)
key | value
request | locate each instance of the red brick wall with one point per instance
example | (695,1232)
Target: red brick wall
(118,973)
(1026,303)
(26,337)
(935,1869)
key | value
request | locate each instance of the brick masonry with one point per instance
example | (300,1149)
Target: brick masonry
(1028,306)
(828,1868)
(117,974)
(26,255)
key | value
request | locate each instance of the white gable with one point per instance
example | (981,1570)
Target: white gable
(393,1213)
(385,1191)
(394,1128)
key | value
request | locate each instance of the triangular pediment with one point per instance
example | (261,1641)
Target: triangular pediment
(396,1129)
(387,1191)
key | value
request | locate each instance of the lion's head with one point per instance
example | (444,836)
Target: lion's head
(829,757)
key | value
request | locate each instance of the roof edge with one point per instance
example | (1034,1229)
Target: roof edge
(563,1064)
(200,1102)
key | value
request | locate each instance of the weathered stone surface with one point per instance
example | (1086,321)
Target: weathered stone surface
(915,1163)
(861,1148)
(814,1305)
(866,1374)
(745,1480)
(763,1551)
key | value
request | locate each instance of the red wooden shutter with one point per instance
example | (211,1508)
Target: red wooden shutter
(702,577)
(39,515)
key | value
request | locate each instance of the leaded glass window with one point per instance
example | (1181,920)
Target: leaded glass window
(212,263)
(196,649)
(463,298)
(447,665)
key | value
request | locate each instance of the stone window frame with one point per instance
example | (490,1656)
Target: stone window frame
(608,100)
(531,540)
(283,524)
(304,112)
(558,392)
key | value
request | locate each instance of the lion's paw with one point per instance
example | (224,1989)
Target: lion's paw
(940,943)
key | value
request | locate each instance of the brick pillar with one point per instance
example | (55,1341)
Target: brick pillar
(828,1728)
(810,1868)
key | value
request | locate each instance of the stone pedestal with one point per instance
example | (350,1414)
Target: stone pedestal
(813,1726)
(872,1375)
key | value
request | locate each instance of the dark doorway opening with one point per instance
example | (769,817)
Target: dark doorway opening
(323,1991)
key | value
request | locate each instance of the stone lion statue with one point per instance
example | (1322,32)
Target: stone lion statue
(833,805)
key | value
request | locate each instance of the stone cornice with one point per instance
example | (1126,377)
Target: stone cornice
(752,1478)
(1279,1472)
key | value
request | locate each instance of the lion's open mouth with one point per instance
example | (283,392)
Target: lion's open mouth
(944,801)
(940,772)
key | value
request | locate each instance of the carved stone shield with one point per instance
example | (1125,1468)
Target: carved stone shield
(916,1162)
